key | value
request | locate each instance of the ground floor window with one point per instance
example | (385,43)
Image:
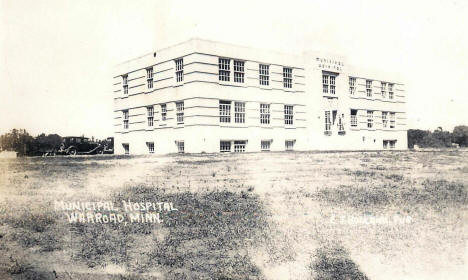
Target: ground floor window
(265,145)
(225,146)
(180,146)
(389,144)
(239,146)
(150,146)
(289,145)
(126,148)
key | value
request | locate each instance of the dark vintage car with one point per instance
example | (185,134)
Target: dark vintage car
(74,145)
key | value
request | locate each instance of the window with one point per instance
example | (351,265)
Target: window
(238,71)
(352,85)
(390,91)
(341,124)
(125,119)
(264,113)
(327,123)
(239,112)
(353,118)
(392,144)
(225,146)
(163,112)
(126,148)
(369,88)
(370,119)
(384,119)
(179,63)
(239,146)
(180,147)
(329,83)
(264,74)
(180,112)
(287,77)
(225,111)
(265,145)
(150,146)
(384,90)
(150,115)
(385,144)
(149,77)
(289,145)
(224,69)
(288,114)
(125,84)
(392,120)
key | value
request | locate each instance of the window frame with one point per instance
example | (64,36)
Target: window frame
(180,146)
(179,69)
(225,111)
(383,86)
(370,119)
(224,146)
(352,85)
(353,118)
(239,71)
(180,108)
(126,118)
(224,69)
(369,88)
(265,113)
(288,114)
(149,77)
(392,120)
(264,74)
(287,77)
(163,111)
(329,83)
(384,119)
(125,84)
(150,116)
(239,146)
(390,91)
(289,147)
(239,112)
(150,146)
(265,145)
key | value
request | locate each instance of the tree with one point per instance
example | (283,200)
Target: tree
(460,135)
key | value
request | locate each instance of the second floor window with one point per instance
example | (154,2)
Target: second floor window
(370,119)
(287,77)
(369,88)
(125,84)
(179,65)
(264,74)
(328,83)
(238,71)
(327,121)
(353,118)
(225,111)
(392,120)
(150,115)
(352,85)
(288,114)
(239,112)
(163,112)
(224,69)
(384,90)
(180,112)
(264,113)
(384,119)
(390,91)
(149,77)
(125,119)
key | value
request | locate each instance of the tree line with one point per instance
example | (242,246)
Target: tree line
(438,138)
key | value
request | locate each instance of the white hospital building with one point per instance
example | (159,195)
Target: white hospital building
(204,96)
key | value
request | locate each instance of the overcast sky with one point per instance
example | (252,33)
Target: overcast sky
(57,56)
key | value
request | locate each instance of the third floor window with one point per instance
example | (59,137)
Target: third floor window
(224,69)
(264,74)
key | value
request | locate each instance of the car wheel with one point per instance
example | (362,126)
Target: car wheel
(72,152)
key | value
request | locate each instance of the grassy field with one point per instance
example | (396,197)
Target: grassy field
(346,215)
